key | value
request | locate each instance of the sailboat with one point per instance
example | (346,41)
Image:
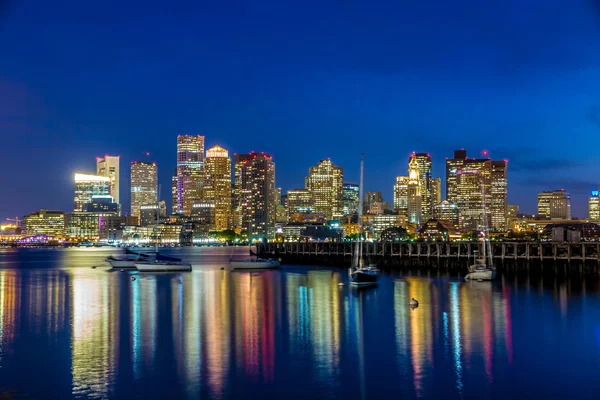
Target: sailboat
(483,269)
(359,274)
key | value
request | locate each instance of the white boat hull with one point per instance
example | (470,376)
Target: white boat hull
(251,264)
(163,267)
(122,263)
(485,275)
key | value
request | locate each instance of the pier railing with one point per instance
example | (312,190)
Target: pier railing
(377,251)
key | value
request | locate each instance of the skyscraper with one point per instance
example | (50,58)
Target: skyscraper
(423,161)
(594,207)
(554,204)
(174,192)
(190,168)
(108,166)
(401,198)
(239,160)
(299,201)
(217,185)
(415,201)
(473,183)
(324,182)
(257,194)
(499,196)
(88,186)
(350,192)
(144,185)
(436,192)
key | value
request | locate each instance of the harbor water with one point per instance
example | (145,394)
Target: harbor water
(72,328)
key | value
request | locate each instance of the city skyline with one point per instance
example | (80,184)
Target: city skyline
(165,195)
(365,82)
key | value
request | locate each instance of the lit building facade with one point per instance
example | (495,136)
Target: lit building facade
(84,226)
(190,171)
(381,222)
(102,204)
(401,197)
(217,185)
(499,196)
(415,201)
(150,213)
(473,183)
(108,166)
(144,185)
(594,207)
(554,204)
(350,200)
(436,192)
(45,222)
(370,199)
(446,211)
(87,186)
(257,193)
(324,183)
(239,160)
(423,166)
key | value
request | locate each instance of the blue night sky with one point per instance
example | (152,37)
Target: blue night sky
(303,81)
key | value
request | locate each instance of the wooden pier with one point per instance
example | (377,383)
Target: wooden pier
(391,252)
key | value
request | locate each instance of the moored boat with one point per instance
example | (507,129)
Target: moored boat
(163,263)
(358,274)
(258,263)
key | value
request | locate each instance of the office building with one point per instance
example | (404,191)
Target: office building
(108,166)
(257,194)
(401,197)
(594,207)
(554,204)
(473,183)
(44,222)
(512,211)
(150,214)
(324,183)
(447,211)
(299,201)
(369,201)
(217,185)
(102,204)
(190,171)
(144,185)
(499,196)
(415,201)
(436,192)
(382,222)
(87,186)
(84,226)
(350,198)
(423,166)
(174,192)
(239,161)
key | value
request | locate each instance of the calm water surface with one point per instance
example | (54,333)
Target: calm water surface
(70,331)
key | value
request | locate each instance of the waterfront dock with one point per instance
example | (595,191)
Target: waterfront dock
(390,253)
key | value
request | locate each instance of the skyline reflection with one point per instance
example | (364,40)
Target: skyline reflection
(223,334)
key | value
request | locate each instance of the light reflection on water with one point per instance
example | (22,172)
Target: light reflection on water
(82,332)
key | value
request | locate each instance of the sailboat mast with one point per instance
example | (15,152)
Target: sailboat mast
(361,203)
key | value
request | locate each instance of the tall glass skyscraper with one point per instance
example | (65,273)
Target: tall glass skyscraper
(108,166)
(217,185)
(144,185)
(190,171)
